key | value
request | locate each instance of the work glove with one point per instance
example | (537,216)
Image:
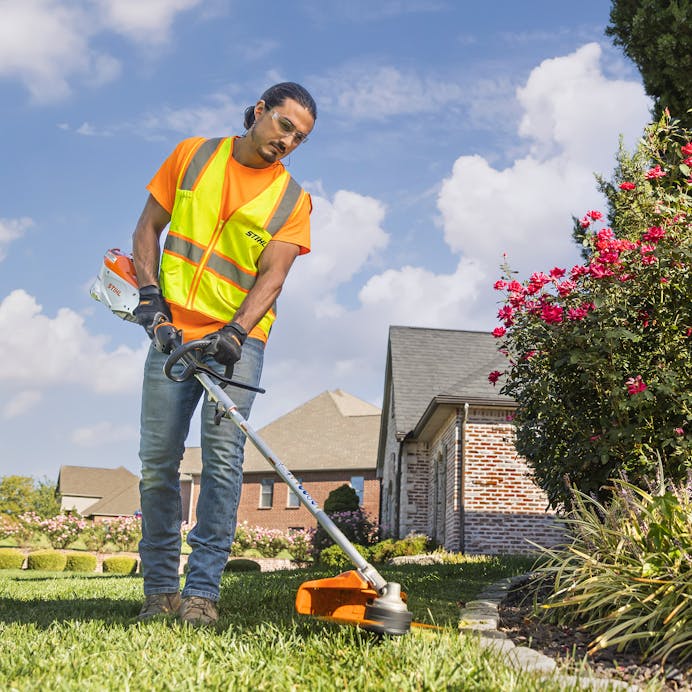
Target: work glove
(227,344)
(152,309)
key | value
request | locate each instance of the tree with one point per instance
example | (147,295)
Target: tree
(16,494)
(342,499)
(19,494)
(656,35)
(46,499)
(600,357)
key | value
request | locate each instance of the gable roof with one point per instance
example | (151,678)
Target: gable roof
(90,481)
(117,489)
(335,430)
(430,366)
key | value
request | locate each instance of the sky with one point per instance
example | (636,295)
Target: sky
(451,135)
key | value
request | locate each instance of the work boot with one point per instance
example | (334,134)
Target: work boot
(195,610)
(156,604)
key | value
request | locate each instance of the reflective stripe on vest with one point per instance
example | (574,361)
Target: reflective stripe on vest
(209,264)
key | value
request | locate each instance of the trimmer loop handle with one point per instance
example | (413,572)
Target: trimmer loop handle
(192,366)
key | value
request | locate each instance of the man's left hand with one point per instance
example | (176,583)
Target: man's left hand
(227,344)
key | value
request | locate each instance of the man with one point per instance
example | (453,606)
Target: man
(237,222)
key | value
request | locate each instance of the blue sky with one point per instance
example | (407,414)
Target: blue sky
(448,133)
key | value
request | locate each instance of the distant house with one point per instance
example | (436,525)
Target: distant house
(327,442)
(98,493)
(446,456)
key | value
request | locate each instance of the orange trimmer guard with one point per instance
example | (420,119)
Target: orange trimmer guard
(342,598)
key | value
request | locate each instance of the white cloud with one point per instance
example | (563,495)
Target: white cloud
(364,92)
(35,348)
(11,229)
(102,434)
(572,118)
(572,110)
(46,44)
(21,403)
(212,120)
(148,21)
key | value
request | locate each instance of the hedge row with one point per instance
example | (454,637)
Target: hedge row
(54,561)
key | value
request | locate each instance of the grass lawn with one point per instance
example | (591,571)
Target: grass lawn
(69,632)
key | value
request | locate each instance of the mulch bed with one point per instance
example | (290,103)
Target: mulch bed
(569,644)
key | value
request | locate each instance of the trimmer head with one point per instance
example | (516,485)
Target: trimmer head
(349,599)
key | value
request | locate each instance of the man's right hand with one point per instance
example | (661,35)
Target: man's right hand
(152,308)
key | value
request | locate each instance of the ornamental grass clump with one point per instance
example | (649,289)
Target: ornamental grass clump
(627,575)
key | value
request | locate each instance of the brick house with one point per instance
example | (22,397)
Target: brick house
(98,493)
(327,442)
(446,457)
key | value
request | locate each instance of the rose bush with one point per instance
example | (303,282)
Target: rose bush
(600,355)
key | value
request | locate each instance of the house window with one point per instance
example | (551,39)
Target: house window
(358,484)
(267,493)
(292,501)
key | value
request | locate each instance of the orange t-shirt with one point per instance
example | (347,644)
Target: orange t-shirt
(242,185)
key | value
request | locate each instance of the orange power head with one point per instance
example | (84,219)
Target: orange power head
(116,284)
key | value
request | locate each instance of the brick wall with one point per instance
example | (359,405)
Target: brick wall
(414,489)
(503,507)
(319,484)
(444,488)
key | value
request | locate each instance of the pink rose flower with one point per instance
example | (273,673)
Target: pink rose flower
(635,385)
(627,186)
(499,332)
(655,172)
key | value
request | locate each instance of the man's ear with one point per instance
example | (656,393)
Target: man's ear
(260,107)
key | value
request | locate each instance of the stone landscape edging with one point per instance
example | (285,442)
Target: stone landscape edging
(481,617)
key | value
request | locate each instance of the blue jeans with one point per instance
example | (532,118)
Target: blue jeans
(167,408)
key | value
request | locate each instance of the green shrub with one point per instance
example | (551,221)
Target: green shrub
(413,544)
(110,547)
(284,555)
(78,544)
(241,565)
(120,565)
(37,541)
(252,552)
(627,575)
(80,562)
(8,543)
(11,558)
(48,560)
(342,499)
(334,557)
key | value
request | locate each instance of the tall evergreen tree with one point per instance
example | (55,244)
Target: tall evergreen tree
(657,36)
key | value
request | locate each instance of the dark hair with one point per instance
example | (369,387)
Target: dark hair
(277,94)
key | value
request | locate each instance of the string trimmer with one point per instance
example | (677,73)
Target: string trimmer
(358,597)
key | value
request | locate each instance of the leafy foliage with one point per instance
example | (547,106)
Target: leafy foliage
(77,562)
(10,558)
(657,36)
(356,525)
(21,494)
(48,560)
(627,575)
(600,357)
(120,564)
(342,499)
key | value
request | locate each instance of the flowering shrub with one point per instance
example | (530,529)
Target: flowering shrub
(9,527)
(63,529)
(600,355)
(270,542)
(124,532)
(356,525)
